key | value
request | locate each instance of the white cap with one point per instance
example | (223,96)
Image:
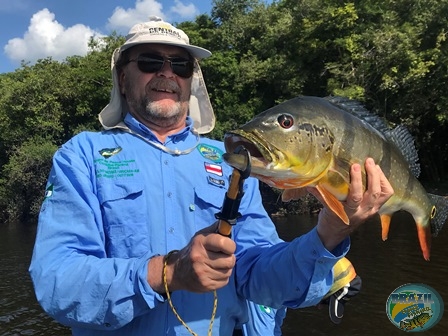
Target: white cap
(160,32)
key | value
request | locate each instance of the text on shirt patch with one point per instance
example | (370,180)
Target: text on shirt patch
(114,169)
(216,181)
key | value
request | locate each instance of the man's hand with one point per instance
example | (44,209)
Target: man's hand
(359,206)
(204,265)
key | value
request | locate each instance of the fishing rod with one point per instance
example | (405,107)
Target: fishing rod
(229,213)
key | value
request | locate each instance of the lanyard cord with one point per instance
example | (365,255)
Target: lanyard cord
(122,126)
(167,149)
(168,295)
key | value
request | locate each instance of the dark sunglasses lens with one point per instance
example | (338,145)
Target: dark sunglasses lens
(149,65)
(183,68)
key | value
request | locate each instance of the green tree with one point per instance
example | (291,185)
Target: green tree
(42,106)
(24,176)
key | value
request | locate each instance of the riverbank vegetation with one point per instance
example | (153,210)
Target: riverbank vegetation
(390,55)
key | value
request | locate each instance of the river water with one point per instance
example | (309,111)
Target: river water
(383,267)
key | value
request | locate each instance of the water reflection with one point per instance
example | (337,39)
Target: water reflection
(20,314)
(383,266)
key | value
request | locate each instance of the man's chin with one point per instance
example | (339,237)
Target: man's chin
(164,107)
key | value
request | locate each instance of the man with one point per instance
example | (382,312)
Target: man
(122,199)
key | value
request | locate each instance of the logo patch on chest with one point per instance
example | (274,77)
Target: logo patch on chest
(211,153)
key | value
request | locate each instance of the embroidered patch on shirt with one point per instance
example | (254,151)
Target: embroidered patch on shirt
(49,191)
(210,152)
(265,309)
(213,168)
(216,181)
(108,152)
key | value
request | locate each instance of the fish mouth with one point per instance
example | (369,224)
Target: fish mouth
(262,153)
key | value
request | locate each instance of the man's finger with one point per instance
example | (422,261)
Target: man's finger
(354,197)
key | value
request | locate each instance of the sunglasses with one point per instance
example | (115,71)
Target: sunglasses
(150,63)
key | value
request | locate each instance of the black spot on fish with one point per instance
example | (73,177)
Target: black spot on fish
(308,128)
(320,131)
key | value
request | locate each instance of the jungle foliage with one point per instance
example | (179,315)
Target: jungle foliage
(391,55)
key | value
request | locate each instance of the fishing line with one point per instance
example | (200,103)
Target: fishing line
(168,295)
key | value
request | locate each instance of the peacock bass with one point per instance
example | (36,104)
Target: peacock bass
(313,141)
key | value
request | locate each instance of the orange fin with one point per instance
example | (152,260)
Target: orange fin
(333,204)
(293,194)
(424,237)
(385,225)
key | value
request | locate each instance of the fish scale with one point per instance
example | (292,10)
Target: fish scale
(313,141)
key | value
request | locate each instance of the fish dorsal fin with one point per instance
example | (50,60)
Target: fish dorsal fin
(357,109)
(399,136)
(404,140)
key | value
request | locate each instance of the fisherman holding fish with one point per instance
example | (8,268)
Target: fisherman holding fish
(127,241)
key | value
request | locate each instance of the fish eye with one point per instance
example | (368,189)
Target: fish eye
(285,121)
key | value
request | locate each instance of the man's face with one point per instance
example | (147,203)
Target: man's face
(158,98)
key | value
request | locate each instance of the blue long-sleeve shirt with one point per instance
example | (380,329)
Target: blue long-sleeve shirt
(114,200)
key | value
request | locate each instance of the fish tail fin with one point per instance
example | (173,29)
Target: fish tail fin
(385,225)
(439,213)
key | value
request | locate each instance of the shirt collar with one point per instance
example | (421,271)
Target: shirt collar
(142,129)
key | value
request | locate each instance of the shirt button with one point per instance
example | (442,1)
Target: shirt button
(169,194)
(171,230)
(165,162)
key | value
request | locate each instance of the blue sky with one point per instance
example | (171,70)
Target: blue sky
(35,29)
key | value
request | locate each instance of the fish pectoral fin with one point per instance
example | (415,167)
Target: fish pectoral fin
(333,204)
(293,194)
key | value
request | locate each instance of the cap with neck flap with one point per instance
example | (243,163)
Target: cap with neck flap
(158,31)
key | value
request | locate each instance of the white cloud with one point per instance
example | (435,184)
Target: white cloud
(123,19)
(184,11)
(47,37)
